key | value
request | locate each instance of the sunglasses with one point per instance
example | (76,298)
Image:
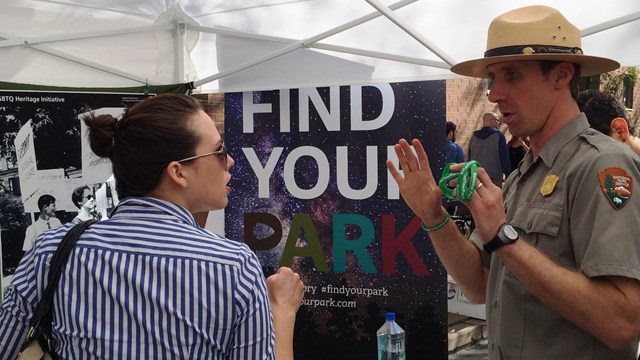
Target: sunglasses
(222,153)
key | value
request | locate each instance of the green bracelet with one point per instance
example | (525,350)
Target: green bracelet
(444,182)
(436,226)
(466,181)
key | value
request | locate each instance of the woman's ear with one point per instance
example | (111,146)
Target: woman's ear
(175,174)
(620,129)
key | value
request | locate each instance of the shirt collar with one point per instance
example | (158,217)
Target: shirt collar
(147,207)
(552,148)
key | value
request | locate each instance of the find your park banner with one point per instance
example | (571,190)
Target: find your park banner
(311,191)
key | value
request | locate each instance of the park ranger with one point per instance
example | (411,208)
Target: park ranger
(555,254)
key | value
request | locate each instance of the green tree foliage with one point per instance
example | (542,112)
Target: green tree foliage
(12,215)
(57,124)
(613,82)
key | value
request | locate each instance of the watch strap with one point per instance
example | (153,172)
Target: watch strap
(493,245)
(501,239)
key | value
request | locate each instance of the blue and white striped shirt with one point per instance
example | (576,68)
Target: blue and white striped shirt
(148,283)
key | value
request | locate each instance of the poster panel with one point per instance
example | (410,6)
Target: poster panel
(2,279)
(95,167)
(43,152)
(26,159)
(311,191)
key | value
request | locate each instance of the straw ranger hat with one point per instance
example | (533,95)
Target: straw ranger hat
(534,33)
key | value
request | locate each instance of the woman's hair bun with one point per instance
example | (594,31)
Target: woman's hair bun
(102,133)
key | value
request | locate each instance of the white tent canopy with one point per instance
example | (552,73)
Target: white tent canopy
(224,46)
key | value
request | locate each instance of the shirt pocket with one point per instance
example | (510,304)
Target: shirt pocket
(540,225)
(536,219)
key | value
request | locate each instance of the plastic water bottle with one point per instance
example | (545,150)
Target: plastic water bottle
(391,340)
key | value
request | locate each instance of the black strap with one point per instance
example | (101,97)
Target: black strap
(532,49)
(43,314)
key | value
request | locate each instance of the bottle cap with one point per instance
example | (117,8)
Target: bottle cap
(391,316)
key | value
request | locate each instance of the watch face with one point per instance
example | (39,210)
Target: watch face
(510,232)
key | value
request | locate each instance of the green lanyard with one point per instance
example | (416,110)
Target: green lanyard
(466,184)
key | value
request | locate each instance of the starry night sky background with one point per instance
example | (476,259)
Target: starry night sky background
(420,302)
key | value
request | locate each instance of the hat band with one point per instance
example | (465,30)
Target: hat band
(532,49)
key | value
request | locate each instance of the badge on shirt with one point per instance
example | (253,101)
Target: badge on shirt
(549,185)
(616,185)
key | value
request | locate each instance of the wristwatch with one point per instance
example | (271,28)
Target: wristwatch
(507,235)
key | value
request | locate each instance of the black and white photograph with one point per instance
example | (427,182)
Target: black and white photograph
(48,174)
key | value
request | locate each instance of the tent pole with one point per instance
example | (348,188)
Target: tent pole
(611,24)
(297,45)
(91,64)
(78,60)
(323,46)
(411,31)
(178,52)
(13,41)
(236,33)
(384,56)
(81,61)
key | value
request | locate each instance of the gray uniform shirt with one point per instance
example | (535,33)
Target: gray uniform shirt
(578,226)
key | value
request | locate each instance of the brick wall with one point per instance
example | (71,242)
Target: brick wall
(213,105)
(466,103)
(635,112)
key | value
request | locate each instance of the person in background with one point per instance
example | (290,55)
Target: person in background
(607,115)
(149,283)
(82,198)
(554,255)
(488,146)
(106,197)
(517,148)
(46,220)
(455,154)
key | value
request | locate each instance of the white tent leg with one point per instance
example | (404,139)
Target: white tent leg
(178,52)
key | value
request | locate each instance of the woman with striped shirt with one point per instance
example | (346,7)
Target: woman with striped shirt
(149,283)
